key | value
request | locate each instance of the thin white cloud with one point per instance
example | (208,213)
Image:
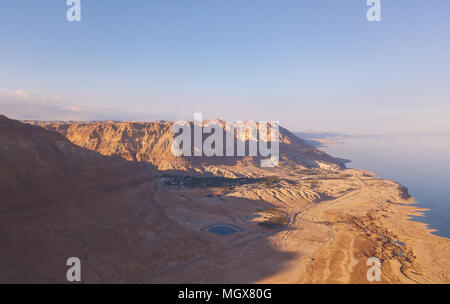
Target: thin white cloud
(26,104)
(30,105)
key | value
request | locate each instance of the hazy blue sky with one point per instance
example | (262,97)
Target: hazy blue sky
(312,65)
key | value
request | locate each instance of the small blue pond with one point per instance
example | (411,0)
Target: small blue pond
(222,229)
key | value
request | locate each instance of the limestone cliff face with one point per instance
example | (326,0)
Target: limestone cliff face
(31,156)
(151,142)
(142,142)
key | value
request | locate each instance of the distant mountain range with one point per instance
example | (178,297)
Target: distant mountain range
(319,135)
(321,139)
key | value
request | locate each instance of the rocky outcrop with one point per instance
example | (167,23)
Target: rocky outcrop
(151,142)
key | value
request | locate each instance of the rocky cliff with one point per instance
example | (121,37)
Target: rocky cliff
(151,142)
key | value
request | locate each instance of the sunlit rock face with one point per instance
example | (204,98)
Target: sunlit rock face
(151,142)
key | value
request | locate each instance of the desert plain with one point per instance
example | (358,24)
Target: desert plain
(111,194)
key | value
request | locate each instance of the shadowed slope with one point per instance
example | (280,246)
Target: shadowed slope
(31,156)
(58,200)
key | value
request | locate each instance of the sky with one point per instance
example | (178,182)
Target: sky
(315,65)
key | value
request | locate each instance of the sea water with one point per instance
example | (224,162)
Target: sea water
(421,163)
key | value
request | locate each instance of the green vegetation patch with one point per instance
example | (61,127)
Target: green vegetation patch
(306,172)
(217,181)
(276,219)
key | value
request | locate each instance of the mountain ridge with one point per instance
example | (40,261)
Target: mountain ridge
(151,142)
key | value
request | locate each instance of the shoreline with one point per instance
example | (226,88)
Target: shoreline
(426,216)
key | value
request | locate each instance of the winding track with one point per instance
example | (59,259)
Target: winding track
(292,220)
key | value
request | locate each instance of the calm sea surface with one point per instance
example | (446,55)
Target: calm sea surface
(421,163)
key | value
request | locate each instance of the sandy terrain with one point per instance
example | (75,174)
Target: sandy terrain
(325,241)
(131,223)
